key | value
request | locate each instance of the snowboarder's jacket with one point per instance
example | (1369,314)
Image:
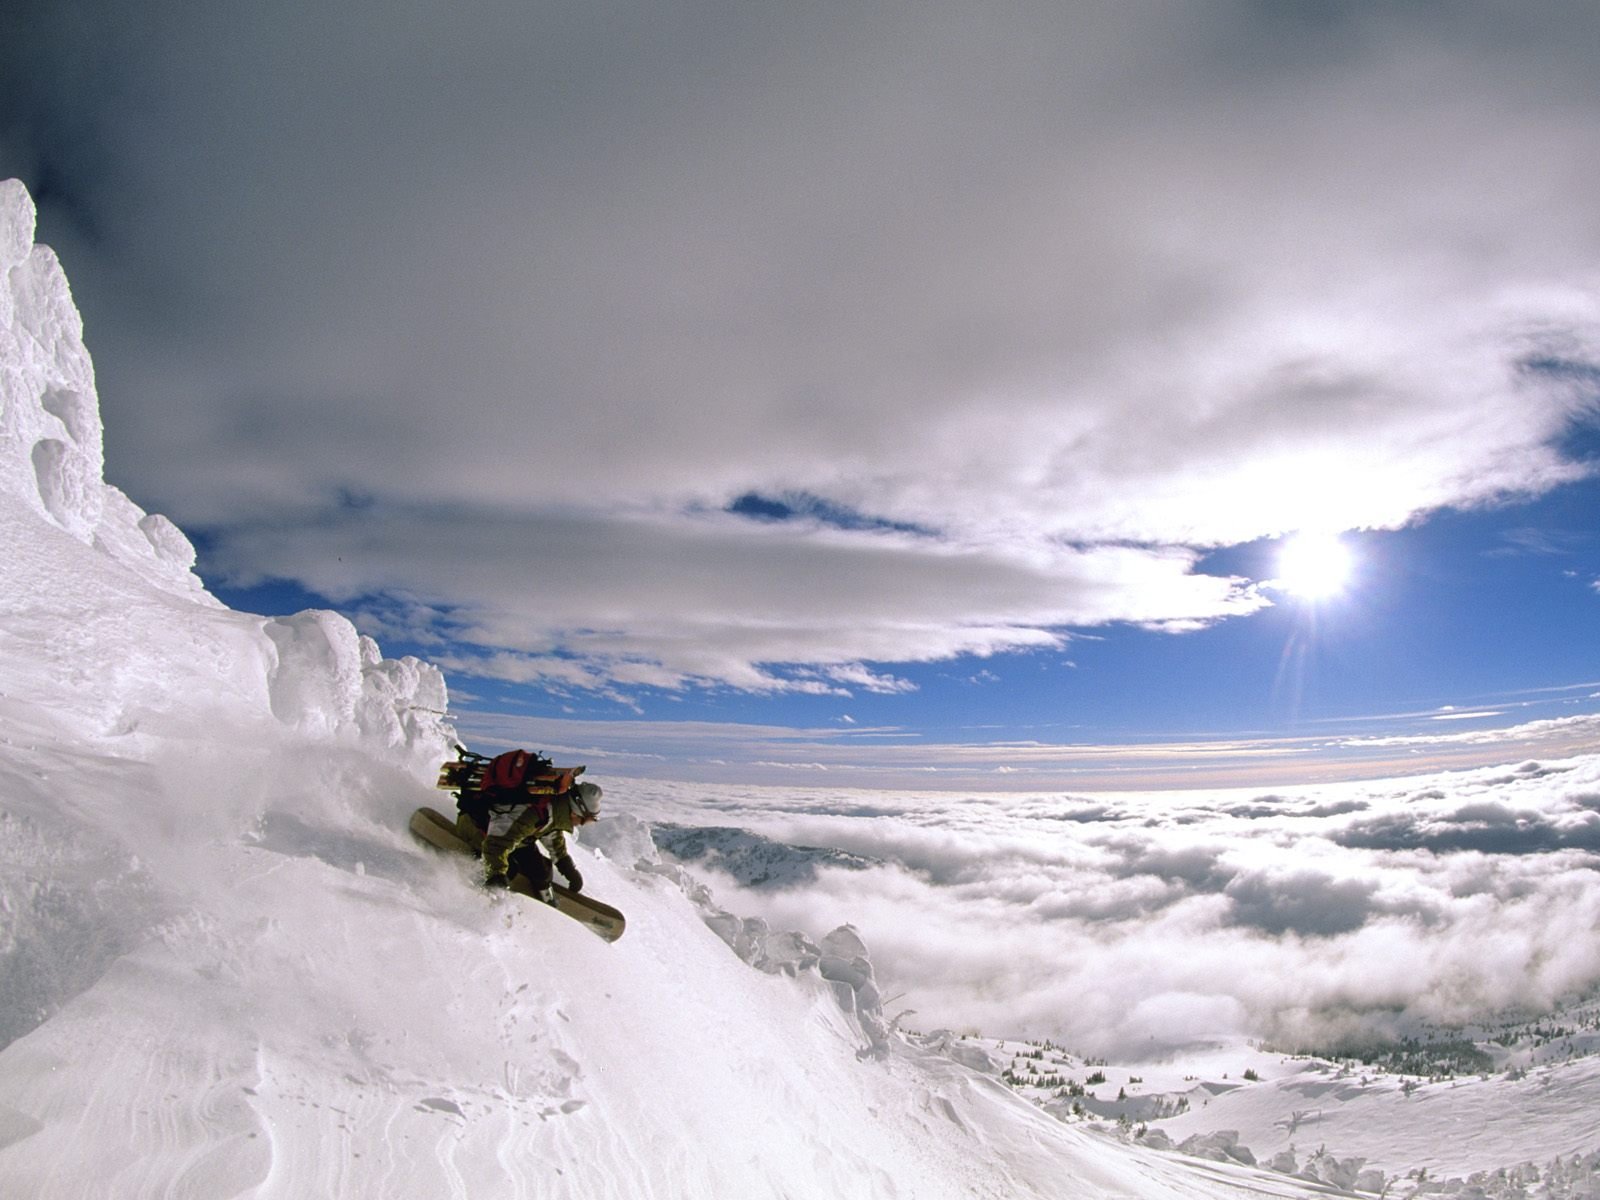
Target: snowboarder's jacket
(513,827)
(548,824)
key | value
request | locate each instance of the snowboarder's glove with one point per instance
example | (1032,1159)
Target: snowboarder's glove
(567,867)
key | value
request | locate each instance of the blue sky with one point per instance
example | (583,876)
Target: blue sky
(722,390)
(1478,623)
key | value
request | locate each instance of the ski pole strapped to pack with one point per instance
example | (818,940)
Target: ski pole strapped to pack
(513,771)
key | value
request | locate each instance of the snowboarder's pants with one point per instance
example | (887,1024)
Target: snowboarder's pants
(507,831)
(467,830)
(537,868)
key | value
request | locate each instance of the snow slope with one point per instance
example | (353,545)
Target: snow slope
(227,970)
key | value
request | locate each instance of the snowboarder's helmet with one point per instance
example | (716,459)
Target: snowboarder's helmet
(586,799)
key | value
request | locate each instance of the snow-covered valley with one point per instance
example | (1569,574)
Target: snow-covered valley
(226,968)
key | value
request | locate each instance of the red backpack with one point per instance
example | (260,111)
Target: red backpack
(509,771)
(519,771)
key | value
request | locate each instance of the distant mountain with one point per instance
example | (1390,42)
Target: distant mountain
(755,861)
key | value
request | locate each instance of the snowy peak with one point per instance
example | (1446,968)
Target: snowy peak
(51,435)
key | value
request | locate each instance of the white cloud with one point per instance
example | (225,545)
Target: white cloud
(858,676)
(710,599)
(1203,913)
(886,756)
(1116,281)
(1552,730)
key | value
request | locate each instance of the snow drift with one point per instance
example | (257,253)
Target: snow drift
(226,969)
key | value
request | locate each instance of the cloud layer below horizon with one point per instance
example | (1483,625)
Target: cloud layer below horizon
(1010,317)
(1308,917)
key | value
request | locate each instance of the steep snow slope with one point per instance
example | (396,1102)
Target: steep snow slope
(226,970)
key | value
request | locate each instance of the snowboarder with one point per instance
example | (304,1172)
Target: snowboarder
(529,836)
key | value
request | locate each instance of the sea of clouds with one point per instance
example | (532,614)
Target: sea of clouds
(1311,917)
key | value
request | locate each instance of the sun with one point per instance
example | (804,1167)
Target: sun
(1315,566)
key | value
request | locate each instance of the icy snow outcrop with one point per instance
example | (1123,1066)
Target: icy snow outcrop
(329,680)
(112,660)
(845,965)
(1220,1146)
(1344,1174)
(51,436)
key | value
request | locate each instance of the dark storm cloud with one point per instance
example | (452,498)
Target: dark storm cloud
(1089,274)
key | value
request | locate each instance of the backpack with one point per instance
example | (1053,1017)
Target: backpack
(533,774)
(515,777)
(509,771)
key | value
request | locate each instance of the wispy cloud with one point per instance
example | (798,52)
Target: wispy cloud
(887,756)
(1551,543)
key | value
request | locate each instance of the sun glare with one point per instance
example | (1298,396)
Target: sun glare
(1314,566)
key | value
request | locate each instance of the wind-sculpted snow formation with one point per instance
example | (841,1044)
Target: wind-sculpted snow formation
(51,437)
(312,671)
(226,970)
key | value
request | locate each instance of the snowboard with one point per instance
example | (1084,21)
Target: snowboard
(438,830)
